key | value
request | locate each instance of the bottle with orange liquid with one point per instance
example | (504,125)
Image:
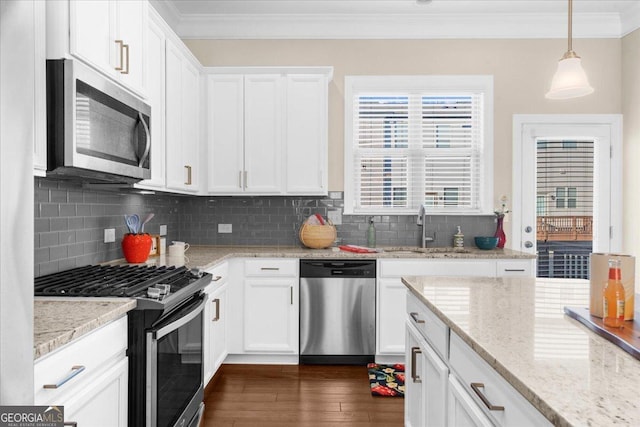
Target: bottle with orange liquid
(613,297)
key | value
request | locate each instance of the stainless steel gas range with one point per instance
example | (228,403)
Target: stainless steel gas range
(164,333)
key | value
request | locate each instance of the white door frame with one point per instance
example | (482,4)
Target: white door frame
(522,123)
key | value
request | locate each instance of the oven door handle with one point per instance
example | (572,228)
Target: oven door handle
(180,322)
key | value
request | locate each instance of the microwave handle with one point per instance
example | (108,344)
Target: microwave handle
(148,140)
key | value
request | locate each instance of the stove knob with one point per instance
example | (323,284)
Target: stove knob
(153,293)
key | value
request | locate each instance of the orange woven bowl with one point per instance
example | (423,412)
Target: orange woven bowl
(317,236)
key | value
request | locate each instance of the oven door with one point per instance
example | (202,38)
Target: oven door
(174,367)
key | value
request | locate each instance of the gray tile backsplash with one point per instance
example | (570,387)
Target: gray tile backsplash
(70,222)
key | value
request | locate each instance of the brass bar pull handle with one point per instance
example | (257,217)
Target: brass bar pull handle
(217,278)
(120,43)
(414,352)
(245,179)
(240,179)
(514,269)
(188,168)
(217,303)
(476,387)
(291,289)
(414,316)
(75,370)
(269,268)
(126,49)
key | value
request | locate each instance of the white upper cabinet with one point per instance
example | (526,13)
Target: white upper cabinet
(109,35)
(306,134)
(267,130)
(182,120)
(225,120)
(262,134)
(156,90)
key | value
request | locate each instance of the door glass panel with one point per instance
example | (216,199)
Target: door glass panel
(564,211)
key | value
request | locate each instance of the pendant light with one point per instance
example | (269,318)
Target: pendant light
(570,80)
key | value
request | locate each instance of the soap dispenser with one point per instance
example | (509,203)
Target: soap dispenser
(371,234)
(458,239)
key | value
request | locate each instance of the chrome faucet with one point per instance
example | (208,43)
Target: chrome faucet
(422,216)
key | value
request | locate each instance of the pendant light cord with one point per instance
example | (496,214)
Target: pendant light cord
(570,36)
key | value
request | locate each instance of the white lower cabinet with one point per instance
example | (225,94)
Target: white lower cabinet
(462,410)
(448,383)
(426,378)
(263,311)
(391,290)
(215,322)
(88,376)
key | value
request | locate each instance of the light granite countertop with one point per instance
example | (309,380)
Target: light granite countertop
(517,325)
(58,321)
(207,256)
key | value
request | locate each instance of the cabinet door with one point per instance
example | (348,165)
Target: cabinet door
(156,90)
(414,404)
(306,134)
(271,315)
(436,377)
(103,402)
(182,91)
(225,118)
(462,410)
(262,134)
(391,316)
(131,22)
(219,328)
(92,25)
(191,125)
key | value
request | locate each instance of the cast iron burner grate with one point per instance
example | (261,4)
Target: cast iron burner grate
(112,281)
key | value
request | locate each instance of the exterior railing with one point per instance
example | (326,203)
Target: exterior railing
(566,228)
(565,266)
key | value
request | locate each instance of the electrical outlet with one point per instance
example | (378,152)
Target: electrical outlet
(335,216)
(163,230)
(225,228)
(109,235)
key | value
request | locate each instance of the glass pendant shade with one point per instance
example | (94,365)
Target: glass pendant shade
(570,80)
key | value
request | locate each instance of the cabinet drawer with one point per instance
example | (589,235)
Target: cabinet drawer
(452,267)
(95,352)
(271,267)
(428,324)
(470,368)
(517,268)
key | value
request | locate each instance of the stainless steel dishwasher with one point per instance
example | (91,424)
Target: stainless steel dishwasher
(337,311)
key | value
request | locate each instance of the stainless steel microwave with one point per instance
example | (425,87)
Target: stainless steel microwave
(96,130)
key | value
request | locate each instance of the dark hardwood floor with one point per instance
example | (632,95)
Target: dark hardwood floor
(297,395)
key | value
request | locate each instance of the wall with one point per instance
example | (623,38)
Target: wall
(631,132)
(522,71)
(70,222)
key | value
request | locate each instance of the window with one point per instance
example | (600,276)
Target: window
(566,197)
(413,140)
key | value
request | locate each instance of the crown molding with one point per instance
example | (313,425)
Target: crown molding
(445,26)
(630,20)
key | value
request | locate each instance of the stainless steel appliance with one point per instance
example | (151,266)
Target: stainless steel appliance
(96,130)
(164,333)
(337,311)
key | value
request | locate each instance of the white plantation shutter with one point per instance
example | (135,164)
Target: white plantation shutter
(416,147)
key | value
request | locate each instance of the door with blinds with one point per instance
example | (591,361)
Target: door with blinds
(570,206)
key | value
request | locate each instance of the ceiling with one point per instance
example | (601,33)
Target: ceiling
(397,19)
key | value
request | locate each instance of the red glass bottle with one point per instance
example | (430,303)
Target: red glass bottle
(613,297)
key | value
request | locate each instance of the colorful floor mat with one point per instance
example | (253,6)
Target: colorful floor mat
(386,380)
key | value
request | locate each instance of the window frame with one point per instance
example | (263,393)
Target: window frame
(446,84)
